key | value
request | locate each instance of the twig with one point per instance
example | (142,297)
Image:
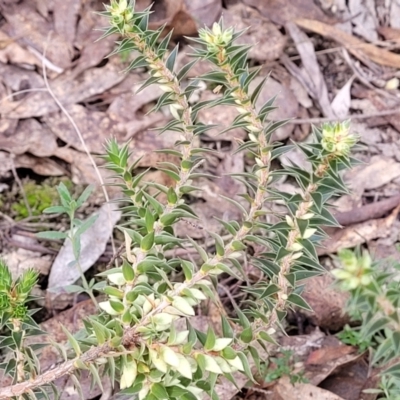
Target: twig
(367,212)
(44,60)
(19,183)
(10,96)
(349,117)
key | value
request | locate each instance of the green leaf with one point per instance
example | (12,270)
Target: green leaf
(298,301)
(170,62)
(116,305)
(219,244)
(235,203)
(162,47)
(95,373)
(85,195)
(171,174)
(55,210)
(215,77)
(149,220)
(51,235)
(188,269)
(100,331)
(257,91)
(77,385)
(246,366)
(64,194)
(199,249)
(183,306)
(158,207)
(226,328)
(247,335)
(210,341)
(158,390)
(147,242)
(394,370)
(185,69)
(374,326)
(72,341)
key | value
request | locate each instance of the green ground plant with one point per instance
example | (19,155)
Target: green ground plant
(137,338)
(284,365)
(374,304)
(38,197)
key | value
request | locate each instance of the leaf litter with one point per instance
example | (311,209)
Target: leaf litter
(301,43)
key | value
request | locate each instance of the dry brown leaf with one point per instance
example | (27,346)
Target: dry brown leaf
(65,14)
(95,126)
(28,136)
(257,29)
(370,176)
(16,79)
(40,165)
(357,234)
(25,22)
(92,52)
(354,45)
(175,15)
(21,259)
(11,52)
(341,103)
(329,354)
(68,91)
(312,73)
(285,390)
(93,243)
(204,12)
(282,11)
(349,382)
(390,33)
(364,19)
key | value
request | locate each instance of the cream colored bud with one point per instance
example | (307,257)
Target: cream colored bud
(253,128)
(174,112)
(166,88)
(296,247)
(307,216)
(253,138)
(241,110)
(297,255)
(289,221)
(216,29)
(259,162)
(309,232)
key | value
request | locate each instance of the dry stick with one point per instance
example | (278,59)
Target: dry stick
(21,186)
(367,212)
(82,140)
(10,96)
(349,117)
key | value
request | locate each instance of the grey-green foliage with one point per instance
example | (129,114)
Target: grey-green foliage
(374,303)
(138,339)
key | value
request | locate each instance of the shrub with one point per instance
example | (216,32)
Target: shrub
(135,338)
(374,303)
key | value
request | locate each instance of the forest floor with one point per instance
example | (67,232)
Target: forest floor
(326,60)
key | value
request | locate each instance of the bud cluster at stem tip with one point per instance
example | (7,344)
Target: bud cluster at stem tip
(216,38)
(356,270)
(122,13)
(337,139)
